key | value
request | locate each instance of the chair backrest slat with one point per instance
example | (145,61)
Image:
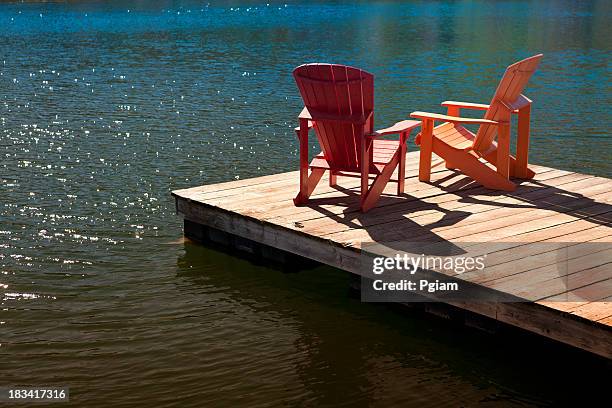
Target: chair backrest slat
(507,94)
(342,91)
(325,129)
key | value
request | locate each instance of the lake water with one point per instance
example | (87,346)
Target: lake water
(107,107)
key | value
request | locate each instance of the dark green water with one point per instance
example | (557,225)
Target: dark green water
(107,107)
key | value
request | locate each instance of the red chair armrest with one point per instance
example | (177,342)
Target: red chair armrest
(399,127)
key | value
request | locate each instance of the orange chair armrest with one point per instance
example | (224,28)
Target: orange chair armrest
(520,103)
(453,119)
(466,105)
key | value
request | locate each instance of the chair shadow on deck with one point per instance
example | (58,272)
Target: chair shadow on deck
(392,211)
(390,222)
(533,194)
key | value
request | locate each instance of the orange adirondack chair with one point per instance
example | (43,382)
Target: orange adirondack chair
(462,149)
(339,105)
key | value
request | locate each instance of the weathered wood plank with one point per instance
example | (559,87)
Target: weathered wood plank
(469,218)
(594,310)
(425,201)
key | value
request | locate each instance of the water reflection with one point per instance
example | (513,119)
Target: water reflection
(335,350)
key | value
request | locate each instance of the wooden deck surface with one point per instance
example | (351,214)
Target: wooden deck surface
(556,206)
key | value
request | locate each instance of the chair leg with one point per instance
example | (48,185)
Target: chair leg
(332,179)
(426,146)
(307,182)
(302,195)
(468,163)
(365,168)
(503,151)
(401,172)
(379,183)
(302,134)
(492,158)
(473,168)
(522,143)
(308,186)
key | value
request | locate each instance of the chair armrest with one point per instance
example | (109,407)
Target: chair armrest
(520,103)
(453,119)
(466,105)
(304,114)
(399,127)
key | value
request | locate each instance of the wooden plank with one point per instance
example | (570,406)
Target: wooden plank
(509,252)
(280,213)
(424,212)
(548,322)
(594,310)
(493,226)
(585,287)
(418,197)
(573,306)
(557,325)
(606,321)
(575,287)
(347,185)
(516,267)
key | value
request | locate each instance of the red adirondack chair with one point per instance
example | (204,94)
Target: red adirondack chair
(462,149)
(339,105)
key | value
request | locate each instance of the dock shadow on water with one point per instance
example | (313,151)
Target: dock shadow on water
(320,346)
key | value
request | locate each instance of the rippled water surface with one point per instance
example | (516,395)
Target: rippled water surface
(106,107)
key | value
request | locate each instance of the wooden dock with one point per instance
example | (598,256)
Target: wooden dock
(556,206)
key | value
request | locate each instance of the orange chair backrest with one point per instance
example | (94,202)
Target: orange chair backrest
(507,94)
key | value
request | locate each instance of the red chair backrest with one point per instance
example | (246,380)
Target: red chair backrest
(340,100)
